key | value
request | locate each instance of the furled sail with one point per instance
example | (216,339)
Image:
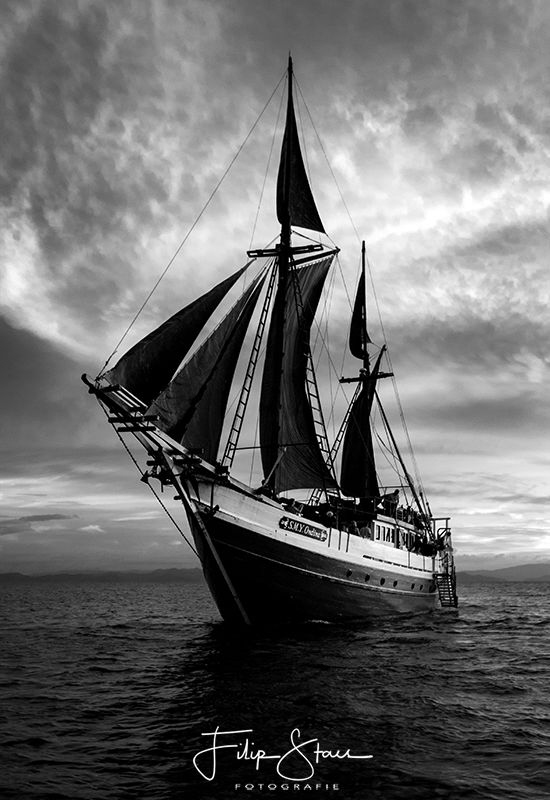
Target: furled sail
(192,407)
(148,366)
(291,456)
(358,472)
(295,203)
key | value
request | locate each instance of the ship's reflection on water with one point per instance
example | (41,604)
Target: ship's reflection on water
(346,691)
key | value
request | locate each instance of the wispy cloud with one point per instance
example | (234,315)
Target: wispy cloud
(119,118)
(11,525)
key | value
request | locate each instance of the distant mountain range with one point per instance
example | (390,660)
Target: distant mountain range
(193,575)
(539,573)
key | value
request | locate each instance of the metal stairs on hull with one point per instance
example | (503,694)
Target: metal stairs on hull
(446,588)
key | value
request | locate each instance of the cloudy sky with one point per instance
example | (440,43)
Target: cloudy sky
(118,119)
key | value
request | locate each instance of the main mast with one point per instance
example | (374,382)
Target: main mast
(293,455)
(283,262)
(283,203)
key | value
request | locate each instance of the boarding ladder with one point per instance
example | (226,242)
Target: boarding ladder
(445,580)
(446,587)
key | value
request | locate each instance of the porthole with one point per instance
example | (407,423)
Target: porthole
(413,585)
(382,581)
(421,586)
(395,583)
(349,573)
(367,577)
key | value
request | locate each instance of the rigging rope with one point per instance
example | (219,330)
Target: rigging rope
(384,447)
(329,165)
(193,226)
(394,383)
(402,416)
(142,473)
(267,168)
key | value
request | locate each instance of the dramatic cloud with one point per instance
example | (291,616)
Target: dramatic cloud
(118,121)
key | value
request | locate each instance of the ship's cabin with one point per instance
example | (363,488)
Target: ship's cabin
(393,525)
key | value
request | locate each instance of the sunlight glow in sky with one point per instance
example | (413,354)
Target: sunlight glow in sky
(118,120)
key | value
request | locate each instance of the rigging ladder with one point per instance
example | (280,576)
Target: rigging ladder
(235,432)
(312,390)
(315,496)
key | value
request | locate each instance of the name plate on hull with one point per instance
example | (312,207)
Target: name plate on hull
(297,526)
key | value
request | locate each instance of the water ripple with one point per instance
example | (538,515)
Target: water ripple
(106,689)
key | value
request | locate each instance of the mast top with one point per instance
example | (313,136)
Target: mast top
(295,203)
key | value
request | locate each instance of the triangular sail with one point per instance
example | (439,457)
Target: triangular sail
(358,335)
(148,366)
(295,203)
(291,456)
(192,407)
(358,472)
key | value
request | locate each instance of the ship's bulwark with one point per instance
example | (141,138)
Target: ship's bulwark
(280,583)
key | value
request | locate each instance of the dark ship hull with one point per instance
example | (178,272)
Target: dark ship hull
(281,577)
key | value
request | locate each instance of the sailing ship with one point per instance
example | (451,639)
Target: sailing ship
(303,543)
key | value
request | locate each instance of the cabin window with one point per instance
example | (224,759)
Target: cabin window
(412,585)
(367,577)
(395,583)
(382,581)
(349,573)
(421,586)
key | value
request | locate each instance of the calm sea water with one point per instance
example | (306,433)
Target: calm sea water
(106,688)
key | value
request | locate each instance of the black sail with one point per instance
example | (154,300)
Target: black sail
(192,407)
(358,336)
(295,203)
(291,457)
(148,366)
(358,471)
